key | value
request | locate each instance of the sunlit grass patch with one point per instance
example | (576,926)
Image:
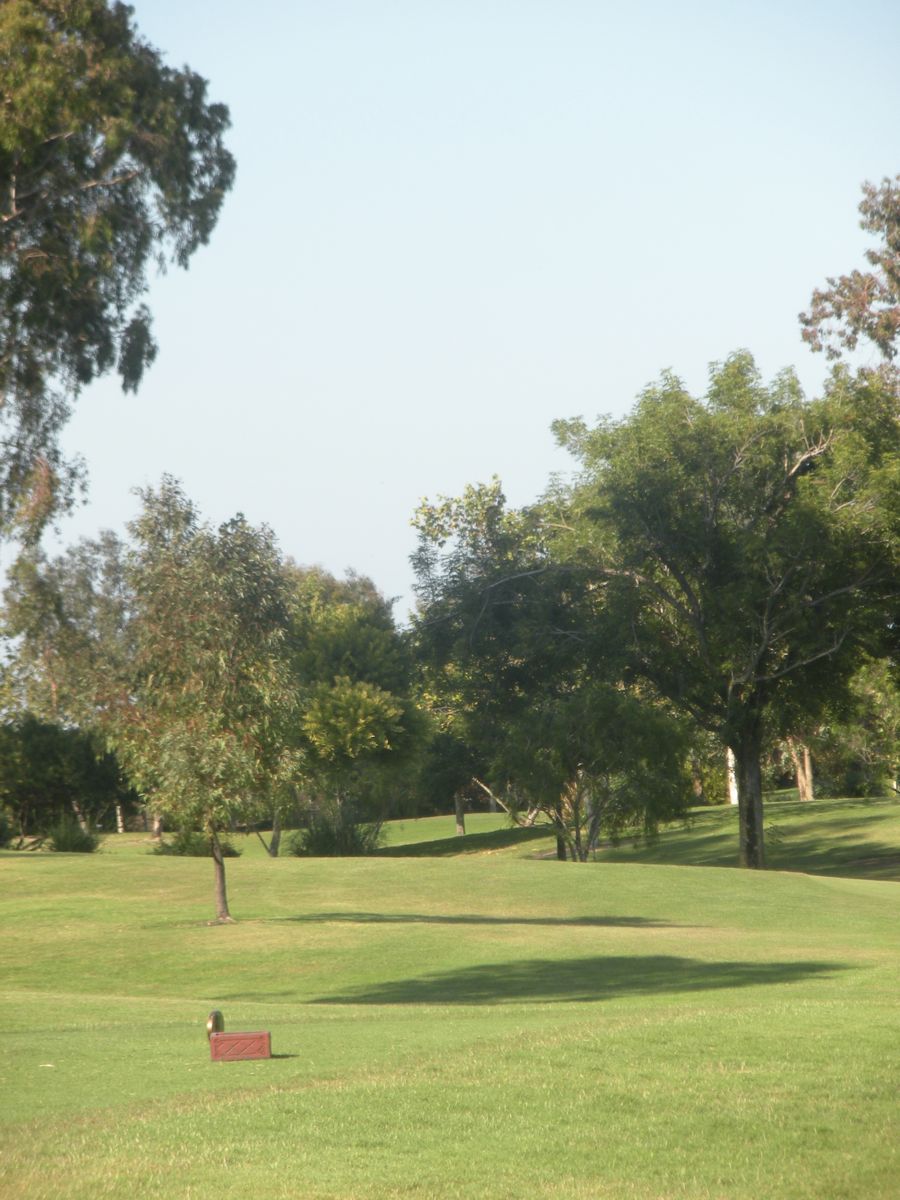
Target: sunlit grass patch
(475,1026)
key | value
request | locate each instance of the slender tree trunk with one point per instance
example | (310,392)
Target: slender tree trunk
(275,839)
(747,753)
(808,773)
(561,848)
(120,819)
(731,772)
(222,913)
(459,809)
(697,782)
(79,815)
(802,768)
(156,820)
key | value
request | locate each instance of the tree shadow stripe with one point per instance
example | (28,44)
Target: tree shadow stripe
(578,979)
(381,918)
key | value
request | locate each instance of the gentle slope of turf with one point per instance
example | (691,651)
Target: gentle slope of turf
(859,838)
(480,1026)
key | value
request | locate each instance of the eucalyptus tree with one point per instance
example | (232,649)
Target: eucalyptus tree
(173,648)
(110,161)
(204,728)
(742,547)
(863,304)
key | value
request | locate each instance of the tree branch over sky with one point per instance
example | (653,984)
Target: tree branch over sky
(110,161)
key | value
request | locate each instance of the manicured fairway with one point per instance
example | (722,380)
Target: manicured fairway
(483,1026)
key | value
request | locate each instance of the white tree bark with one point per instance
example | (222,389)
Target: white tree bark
(732,776)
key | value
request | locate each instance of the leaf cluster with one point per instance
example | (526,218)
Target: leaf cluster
(109,161)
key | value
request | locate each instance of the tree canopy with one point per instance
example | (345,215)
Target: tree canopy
(502,632)
(743,548)
(109,161)
(357,727)
(172,649)
(863,304)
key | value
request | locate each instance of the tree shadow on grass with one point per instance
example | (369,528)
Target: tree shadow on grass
(862,859)
(578,979)
(469,843)
(381,918)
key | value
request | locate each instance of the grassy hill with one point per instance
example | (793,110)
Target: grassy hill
(859,838)
(457,1025)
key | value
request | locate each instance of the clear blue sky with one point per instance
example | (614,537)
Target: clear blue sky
(456,220)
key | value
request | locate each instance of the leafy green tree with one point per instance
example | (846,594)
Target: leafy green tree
(357,728)
(49,773)
(449,770)
(109,160)
(174,651)
(204,727)
(67,622)
(857,746)
(742,548)
(502,633)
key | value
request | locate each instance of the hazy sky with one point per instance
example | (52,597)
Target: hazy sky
(456,220)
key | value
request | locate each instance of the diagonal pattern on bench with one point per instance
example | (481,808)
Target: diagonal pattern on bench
(230,1047)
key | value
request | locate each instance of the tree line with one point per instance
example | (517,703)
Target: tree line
(719,573)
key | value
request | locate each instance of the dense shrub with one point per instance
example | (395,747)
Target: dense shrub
(68,837)
(190,843)
(329,838)
(49,771)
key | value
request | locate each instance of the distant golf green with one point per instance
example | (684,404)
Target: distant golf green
(463,1025)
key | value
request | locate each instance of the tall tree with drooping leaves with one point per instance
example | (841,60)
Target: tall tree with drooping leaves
(110,161)
(70,641)
(173,648)
(206,732)
(743,546)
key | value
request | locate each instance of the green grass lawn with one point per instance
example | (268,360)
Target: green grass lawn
(481,1025)
(472,1025)
(859,838)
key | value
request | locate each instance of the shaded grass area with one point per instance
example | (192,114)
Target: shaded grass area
(581,979)
(416,830)
(859,838)
(481,1026)
(500,837)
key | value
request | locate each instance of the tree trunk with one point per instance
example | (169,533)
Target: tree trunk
(561,847)
(460,810)
(732,776)
(697,782)
(79,815)
(222,913)
(802,768)
(275,839)
(157,826)
(747,753)
(808,773)
(120,819)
